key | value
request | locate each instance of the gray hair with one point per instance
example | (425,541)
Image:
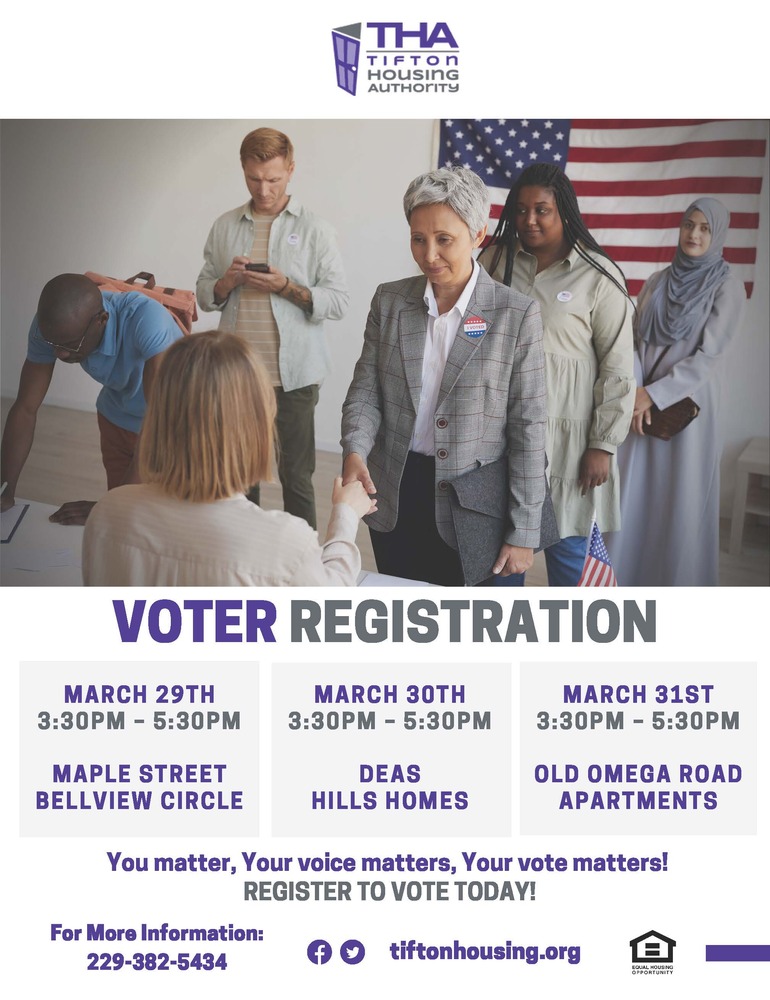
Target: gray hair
(460,189)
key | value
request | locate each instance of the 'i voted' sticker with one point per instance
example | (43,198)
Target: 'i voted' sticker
(292,239)
(475,326)
(564,296)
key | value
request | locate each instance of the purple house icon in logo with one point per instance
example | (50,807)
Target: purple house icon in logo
(347,47)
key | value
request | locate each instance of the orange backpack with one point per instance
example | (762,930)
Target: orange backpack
(180,303)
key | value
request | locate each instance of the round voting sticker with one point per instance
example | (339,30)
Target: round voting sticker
(475,326)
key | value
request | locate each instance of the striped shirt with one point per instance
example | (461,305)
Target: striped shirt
(256,322)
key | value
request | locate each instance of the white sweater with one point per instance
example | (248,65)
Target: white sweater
(138,536)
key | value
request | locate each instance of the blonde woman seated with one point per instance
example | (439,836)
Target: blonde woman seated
(207,437)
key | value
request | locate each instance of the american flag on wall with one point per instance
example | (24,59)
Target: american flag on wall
(597,569)
(633,177)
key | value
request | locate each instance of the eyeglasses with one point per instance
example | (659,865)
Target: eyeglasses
(74,350)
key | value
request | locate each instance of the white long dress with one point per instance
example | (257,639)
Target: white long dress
(669,533)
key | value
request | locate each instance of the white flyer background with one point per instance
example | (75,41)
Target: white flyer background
(197,61)
(707,893)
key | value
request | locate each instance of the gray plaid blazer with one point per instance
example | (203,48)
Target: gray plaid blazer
(491,401)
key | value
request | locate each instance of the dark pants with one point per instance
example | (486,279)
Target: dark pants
(295,451)
(118,447)
(414,549)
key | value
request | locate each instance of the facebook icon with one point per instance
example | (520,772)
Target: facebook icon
(319,952)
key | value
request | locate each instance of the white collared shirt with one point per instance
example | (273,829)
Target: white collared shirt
(441,333)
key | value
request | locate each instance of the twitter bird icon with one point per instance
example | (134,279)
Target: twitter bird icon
(352,952)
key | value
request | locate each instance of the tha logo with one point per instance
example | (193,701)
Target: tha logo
(398,59)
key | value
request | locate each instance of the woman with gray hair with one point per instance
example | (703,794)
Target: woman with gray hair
(450,379)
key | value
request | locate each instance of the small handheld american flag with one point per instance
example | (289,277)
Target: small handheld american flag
(597,569)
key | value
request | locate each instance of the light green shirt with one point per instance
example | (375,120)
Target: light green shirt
(590,387)
(304,248)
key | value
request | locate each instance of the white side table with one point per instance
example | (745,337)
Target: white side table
(751,495)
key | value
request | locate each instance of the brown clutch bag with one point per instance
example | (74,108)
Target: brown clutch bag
(666,423)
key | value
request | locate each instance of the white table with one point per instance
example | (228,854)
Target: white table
(751,495)
(41,554)
(367,578)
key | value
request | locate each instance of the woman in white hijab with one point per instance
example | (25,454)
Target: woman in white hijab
(687,318)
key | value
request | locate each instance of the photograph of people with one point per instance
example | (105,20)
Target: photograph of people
(576,221)
(450,378)
(208,435)
(688,317)
(542,248)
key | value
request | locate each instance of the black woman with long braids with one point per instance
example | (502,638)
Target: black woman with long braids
(542,248)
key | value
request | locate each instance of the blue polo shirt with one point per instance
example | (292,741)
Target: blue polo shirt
(137,329)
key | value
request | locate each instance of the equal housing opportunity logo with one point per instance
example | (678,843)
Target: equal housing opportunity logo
(390,57)
(652,954)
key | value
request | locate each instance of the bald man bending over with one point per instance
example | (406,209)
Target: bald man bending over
(116,338)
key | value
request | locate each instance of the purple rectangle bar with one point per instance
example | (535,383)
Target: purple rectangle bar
(738,952)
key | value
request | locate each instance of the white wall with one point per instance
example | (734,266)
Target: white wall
(123,196)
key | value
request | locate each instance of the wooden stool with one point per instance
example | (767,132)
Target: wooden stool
(751,496)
